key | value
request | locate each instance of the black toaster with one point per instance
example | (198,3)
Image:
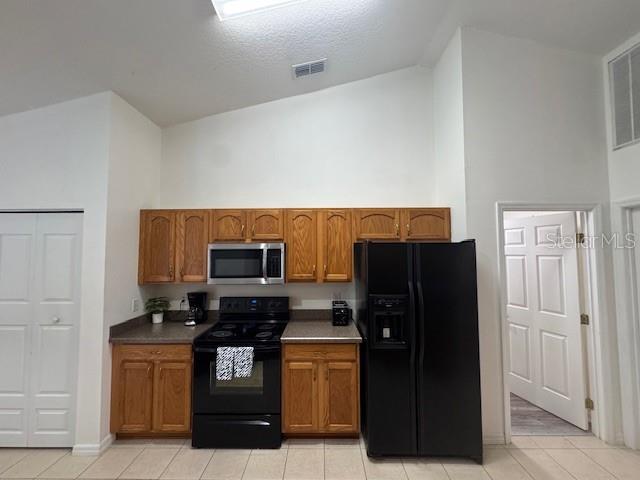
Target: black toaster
(341,313)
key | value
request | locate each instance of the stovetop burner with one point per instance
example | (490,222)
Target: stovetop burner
(221,333)
(247,321)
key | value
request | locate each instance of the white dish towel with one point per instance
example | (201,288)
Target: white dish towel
(234,362)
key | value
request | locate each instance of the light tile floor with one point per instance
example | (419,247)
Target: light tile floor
(527,458)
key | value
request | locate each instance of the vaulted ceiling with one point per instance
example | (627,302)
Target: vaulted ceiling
(175,61)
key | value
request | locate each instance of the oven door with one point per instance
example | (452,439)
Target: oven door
(257,394)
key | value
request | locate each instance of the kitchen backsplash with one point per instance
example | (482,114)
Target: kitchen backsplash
(302,296)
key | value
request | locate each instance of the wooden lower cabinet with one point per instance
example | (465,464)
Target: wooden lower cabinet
(320,389)
(151,389)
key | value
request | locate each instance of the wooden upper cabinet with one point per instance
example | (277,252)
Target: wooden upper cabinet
(376,223)
(300,397)
(340,392)
(426,224)
(192,234)
(157,246)
(228,225)
(172,398)
(266,225)
(302,253)
(336,245)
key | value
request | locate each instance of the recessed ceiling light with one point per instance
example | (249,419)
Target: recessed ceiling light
(227,9)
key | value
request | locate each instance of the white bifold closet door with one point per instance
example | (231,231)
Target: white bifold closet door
(39,316)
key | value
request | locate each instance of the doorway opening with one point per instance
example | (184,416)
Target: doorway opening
(547,311)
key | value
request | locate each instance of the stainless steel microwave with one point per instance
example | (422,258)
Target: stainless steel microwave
(246,263)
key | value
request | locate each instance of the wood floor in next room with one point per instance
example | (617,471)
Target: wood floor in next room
(530,458)
(528,419)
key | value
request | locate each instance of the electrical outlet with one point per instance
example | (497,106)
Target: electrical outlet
(135,305)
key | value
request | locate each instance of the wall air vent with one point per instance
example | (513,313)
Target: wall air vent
(624,75)
(309,68)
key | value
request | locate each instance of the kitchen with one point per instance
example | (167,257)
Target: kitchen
(320,362)
(203,166)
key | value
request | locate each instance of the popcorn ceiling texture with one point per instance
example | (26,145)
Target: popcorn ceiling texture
(174,61)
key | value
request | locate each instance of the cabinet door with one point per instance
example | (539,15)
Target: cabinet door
(426,224)
(172,398)
(228,225)
(300,397)
(134,397)
(266,224)
(336,249)
(377,223)
(339,395)
(157,246)
(302,253)
(192,234)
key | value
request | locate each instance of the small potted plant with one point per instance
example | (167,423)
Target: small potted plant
(156,307)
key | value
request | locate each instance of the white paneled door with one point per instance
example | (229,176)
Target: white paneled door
(39,316)
(543,312)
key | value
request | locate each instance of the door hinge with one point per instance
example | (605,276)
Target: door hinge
(588,404)
(584,319)
(580,238)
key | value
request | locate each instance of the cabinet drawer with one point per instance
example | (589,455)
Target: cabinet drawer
(324,351)
(155,352)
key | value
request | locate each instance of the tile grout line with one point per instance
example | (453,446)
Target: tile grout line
(165,468)
(207,465)
(286,458)
(130,463)
(17,461)
(597,462)
(545,452)
(244,470)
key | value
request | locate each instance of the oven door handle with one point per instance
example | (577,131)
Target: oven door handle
(256,349)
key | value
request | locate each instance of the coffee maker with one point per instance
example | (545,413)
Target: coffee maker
(197,308)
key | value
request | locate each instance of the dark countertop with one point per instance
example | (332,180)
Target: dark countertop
(140,330)
(305,326)
(319,331)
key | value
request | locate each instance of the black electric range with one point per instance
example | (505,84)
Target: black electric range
(240,412)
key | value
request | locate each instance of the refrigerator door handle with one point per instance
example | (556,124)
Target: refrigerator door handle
(420,320)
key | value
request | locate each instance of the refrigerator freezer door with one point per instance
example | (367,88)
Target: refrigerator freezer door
(388,375)
(448,378)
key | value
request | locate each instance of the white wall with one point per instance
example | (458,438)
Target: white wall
(134,157)
(624,187)
(534,132)
(56,158)
(366,143)
(448,121)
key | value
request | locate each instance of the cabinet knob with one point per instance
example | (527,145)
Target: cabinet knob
(253,230)
(408,229)
(325,270)
(242,231)
(314,271)
(55,319)
(397,229)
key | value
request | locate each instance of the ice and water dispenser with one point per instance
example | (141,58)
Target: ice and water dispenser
(389,316)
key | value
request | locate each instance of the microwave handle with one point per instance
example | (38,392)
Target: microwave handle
(264,263)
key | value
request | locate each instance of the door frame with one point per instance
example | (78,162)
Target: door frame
(598,337)
(628,322)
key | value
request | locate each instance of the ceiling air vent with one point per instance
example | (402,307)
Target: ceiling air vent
(309,68)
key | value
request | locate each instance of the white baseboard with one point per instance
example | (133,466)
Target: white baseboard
(92,449)
(497,439)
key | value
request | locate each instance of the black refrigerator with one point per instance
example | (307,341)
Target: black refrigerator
(417,311)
